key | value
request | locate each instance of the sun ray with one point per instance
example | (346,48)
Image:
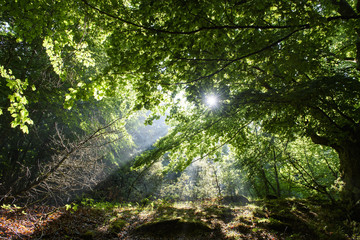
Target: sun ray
(211,100)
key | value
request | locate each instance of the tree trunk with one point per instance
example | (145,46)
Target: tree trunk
(217,182)
(349,154)
(278,192)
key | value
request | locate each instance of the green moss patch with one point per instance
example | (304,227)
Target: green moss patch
(176,228)
(117,225)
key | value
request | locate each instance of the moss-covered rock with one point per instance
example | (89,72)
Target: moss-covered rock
(89,234)
(279,226)
(117,225)
(175,228)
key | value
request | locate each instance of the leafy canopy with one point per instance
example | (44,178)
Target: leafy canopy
(291,67)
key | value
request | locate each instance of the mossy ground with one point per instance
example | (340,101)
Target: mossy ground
(265,219)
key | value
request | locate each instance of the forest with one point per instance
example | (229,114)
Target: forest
(180,119)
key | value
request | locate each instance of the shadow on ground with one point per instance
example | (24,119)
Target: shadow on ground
(275,219)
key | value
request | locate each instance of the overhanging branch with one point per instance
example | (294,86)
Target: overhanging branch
(244,56)
(348,12)
(344,8)
(159,30)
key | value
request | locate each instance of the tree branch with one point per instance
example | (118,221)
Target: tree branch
(226,142)
(347,12)
(159,30)
(327,117)
(344,8)
(343,17)
(311,183)
(68,153)
(243,57)
(321,140)
(336,108)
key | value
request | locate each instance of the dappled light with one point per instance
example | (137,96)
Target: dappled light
(275,219)
(176,119)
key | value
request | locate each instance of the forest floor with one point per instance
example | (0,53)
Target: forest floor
(271,219)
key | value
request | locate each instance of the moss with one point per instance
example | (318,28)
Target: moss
(89,234)
(117,225)
(279,226)
(174,227)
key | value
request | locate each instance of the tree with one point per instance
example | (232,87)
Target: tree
(284,168)
(291,66)
(45,68)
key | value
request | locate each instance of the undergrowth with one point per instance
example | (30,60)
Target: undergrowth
(161,219)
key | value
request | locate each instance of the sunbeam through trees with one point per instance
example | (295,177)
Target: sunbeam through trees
(237,117)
